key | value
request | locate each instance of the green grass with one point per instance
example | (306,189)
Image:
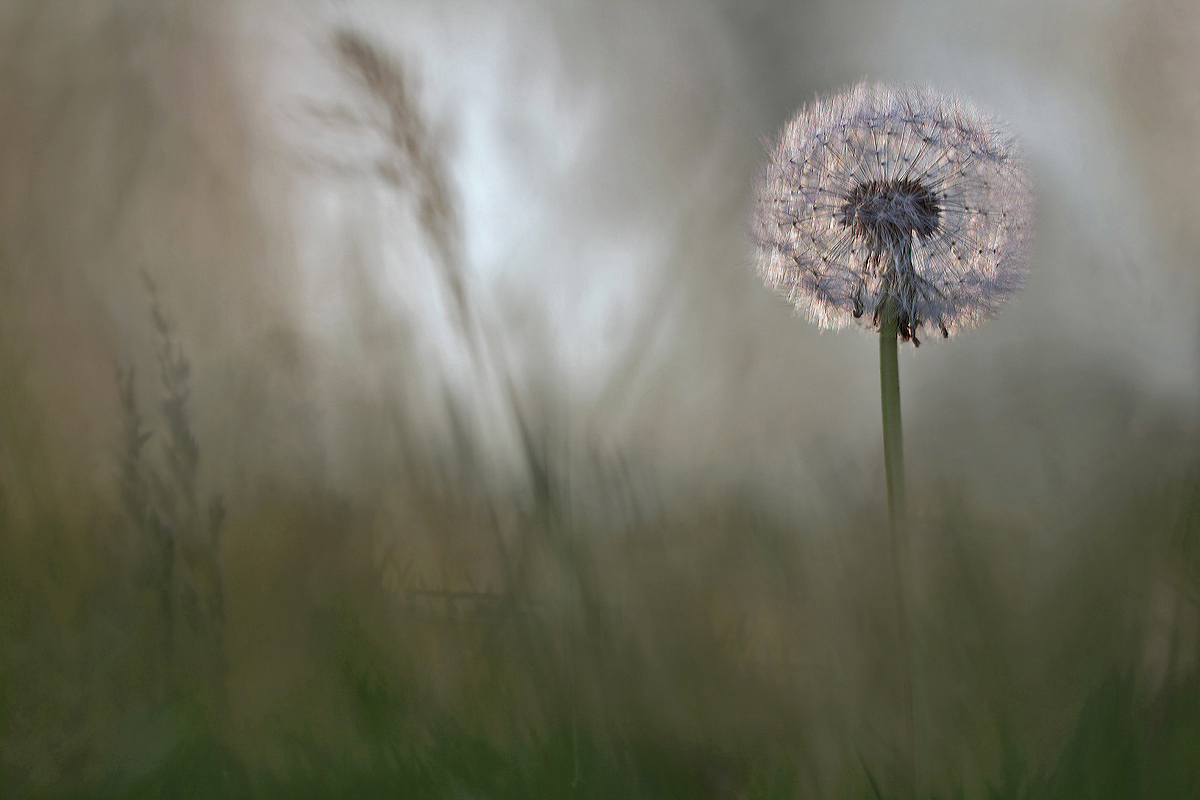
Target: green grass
(1113,752)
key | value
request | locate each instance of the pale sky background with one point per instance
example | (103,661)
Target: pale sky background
(601,156)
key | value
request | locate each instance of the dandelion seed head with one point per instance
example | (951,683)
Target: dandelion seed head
(894,191)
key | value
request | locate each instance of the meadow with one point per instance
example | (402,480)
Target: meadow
(576,636)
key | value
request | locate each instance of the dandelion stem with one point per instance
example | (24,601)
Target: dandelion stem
(893,436)
(893,459)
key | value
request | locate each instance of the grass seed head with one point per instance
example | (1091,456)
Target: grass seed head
(896,191)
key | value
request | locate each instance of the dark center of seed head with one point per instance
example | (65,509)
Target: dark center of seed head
(889,210)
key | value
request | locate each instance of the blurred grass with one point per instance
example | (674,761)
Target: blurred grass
(565,637)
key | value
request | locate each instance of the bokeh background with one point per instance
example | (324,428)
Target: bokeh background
(388,404)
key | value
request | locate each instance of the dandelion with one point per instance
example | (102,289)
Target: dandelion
(903,210)
(906,196)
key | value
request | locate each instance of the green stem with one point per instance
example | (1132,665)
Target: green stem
(893,459)
(893,435)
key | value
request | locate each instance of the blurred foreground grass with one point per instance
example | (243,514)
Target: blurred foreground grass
(569,637)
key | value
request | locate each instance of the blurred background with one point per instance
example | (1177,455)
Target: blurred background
(389,406)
